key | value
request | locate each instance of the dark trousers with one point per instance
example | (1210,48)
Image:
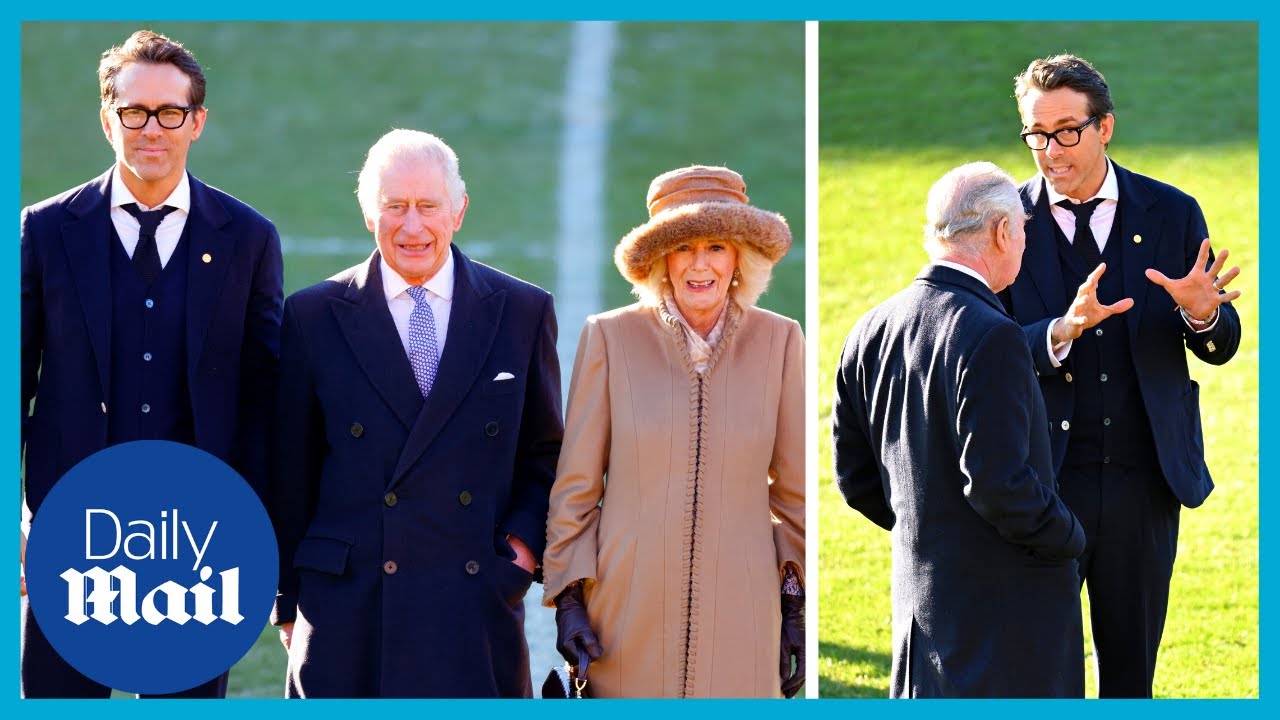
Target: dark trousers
(1130,520)
(46,675)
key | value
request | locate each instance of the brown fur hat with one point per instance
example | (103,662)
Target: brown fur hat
(699,201)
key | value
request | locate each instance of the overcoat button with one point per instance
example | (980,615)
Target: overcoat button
(1066,425)
(1098,332)
(357,429)
(473,567)
(491,429)
(389,567)
(390,499)
(464,497)
(1068,377)
(1106,421)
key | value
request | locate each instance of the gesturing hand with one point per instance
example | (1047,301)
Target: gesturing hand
(1198,294)
(1086,311)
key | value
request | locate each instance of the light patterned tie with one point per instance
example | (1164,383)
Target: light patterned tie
(424,353)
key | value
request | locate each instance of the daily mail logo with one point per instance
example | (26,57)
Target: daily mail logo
(151,567)
(101,589)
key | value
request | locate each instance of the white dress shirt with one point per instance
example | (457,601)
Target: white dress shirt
(1104,215)
(170,230)
(439,296)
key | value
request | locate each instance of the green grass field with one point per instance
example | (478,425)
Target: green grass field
(293,107)
(903,103)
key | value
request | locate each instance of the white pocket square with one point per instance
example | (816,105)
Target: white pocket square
(503,376)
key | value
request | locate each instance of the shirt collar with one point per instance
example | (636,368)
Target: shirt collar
(964,269)
(179,198)
(1110,189)
(441,283)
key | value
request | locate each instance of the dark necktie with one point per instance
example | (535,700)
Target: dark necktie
(146,257)
(1084,242)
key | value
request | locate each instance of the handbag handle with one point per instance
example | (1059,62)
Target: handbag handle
(580,677)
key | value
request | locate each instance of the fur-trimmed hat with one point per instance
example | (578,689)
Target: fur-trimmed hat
(699,201)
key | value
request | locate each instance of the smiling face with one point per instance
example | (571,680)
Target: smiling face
(700,271)
(413,219)
(152,159)
(1077,171)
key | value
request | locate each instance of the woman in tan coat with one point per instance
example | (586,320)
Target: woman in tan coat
(675,553)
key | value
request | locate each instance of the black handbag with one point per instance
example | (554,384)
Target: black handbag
(564,682)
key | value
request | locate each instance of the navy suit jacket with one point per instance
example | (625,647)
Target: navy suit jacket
(939,436)
(392,511)
(233,308)
(1161,227)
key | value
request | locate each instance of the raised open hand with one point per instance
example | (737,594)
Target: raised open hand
(1199,293)
(1086,311)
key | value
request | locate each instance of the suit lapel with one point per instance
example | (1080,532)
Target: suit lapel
(1136,220)
(205,239)
(87,242)
(366,324)
(1040,259)
(473,325)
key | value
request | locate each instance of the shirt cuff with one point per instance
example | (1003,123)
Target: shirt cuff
(1056,357)
(1195,327)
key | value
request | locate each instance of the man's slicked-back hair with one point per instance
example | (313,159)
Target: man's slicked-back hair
(1067,71)
(145,46)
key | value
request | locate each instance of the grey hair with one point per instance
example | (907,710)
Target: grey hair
(400,145)
(754,272)
(966,201)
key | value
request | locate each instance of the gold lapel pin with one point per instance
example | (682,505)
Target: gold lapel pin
(207,258)
(1137,238)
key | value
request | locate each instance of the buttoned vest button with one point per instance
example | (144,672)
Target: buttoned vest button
(390,499)
(464,497)
(491,429)
(389,567)
(357,430)
(473,567)
(1066,425)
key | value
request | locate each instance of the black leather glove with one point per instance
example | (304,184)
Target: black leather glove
(792,644)
(575,639)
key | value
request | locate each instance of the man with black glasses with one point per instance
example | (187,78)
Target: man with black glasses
(1117,278)
(151,308)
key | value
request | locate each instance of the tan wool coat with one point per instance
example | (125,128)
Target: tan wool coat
(679,499)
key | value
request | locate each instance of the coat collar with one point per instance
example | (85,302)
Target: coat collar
(942,275)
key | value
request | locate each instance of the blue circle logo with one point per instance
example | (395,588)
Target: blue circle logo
(151,567)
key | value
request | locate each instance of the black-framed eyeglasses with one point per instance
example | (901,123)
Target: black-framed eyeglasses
(1066,137)
(170,117)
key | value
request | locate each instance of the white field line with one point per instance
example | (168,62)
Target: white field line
(580,249)
(581,243)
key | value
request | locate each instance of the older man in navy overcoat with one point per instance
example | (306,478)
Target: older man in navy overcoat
(417,436)
(939,436)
